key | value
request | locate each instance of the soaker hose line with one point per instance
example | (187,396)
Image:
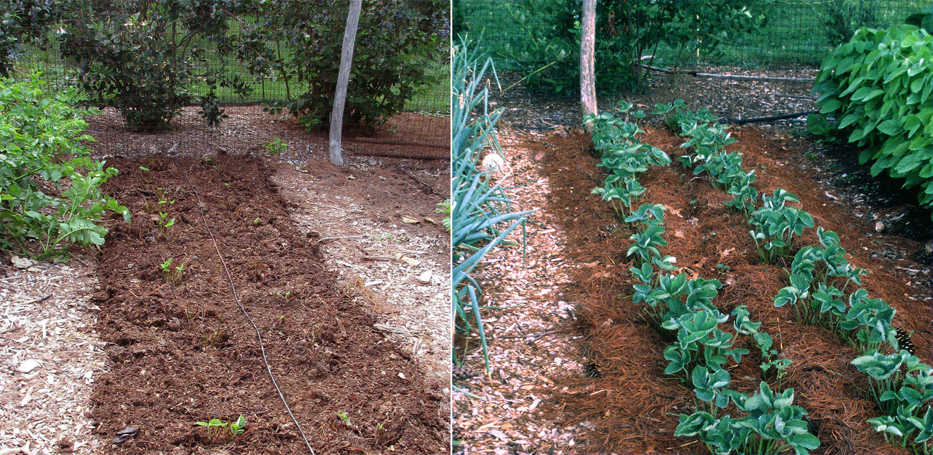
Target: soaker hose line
(236,298)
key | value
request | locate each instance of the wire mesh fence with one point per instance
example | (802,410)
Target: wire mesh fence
(417,124)
(793,32)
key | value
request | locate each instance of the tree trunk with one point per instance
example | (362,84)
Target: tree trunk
(343,79)
(588,58)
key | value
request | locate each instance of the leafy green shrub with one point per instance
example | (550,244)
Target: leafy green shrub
(49,187)
(143,56)
(878,87)
(841,18)
(22,21)
(478,206)
(545,45)
(299,43)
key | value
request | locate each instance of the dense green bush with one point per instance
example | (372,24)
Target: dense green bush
(49,188)
(22,20)
(299,42)
(142,56)
(877,91)
(841,18)
(548,33)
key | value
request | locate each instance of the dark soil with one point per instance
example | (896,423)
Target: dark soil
(630,404)
(182,351)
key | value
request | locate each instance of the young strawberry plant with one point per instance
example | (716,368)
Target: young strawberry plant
(775,224)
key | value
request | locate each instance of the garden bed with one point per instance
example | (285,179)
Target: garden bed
(183,352)
(614,396)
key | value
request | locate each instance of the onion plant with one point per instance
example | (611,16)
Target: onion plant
(478,208)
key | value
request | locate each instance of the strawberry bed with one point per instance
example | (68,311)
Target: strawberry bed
(183,352)
(631,404)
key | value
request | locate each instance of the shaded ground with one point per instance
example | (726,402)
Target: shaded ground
(727,98)
(183,352)
(631,406)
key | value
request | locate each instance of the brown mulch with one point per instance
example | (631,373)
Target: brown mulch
(577,259)
(182,351)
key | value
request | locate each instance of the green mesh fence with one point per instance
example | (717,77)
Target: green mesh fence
(795,33)
(432,98)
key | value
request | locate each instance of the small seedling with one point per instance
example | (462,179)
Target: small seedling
(239,427)
(215,427)
(144,168)
(214,338)
(723,267)
(256,221)
(343,416)
(276,146)
(175,274)
(164,221)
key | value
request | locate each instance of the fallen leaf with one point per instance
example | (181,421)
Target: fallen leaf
(409,220)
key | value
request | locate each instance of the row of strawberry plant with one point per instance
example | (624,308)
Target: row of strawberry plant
(675,304)
(901,384)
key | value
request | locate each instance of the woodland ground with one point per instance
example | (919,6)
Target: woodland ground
(342,269)
(573,368)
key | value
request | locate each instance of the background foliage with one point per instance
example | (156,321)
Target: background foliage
(142,56)
(300,42)
(878,91)
(783,32)
(150,57)
(49,188)
(548,33)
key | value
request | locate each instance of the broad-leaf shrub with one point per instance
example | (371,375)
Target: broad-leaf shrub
(878,89)
(545,41)
(49,187)
(143,57)
(299,43)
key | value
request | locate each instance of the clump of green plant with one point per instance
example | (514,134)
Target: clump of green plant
(276,146)
(172,274)
(50,194)
(623,155)
(875,92)
(165,222)
(775,224)
(902,386)
(772,425)
(215,428)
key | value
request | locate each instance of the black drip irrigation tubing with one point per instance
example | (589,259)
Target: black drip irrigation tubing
(236,298)
(770,118)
